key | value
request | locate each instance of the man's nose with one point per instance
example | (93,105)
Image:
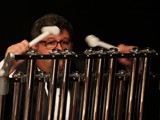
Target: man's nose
(59,46)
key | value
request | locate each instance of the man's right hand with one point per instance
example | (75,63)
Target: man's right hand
(17,49)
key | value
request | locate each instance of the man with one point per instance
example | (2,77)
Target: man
(61,41)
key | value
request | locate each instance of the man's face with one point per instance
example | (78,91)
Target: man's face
(61,42)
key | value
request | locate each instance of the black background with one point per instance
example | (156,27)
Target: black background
(133,22)
(129,22)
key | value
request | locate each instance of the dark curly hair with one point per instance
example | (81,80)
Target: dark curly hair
(51,19)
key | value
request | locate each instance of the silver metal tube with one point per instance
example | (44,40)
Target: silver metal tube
(87,77)
(98,86)
(101,96)
(28,89)
(110,75)
(64,89)
(52,88)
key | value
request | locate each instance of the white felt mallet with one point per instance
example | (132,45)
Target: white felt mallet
(94,41)
(45,32)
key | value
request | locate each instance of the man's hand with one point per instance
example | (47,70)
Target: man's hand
(17,49)
(126,49)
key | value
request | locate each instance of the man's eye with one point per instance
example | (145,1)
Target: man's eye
(64,42)
(52,43)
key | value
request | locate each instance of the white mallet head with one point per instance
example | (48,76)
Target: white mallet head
(47,30)
(94,41)
(51,29)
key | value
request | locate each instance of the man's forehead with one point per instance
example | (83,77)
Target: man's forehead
(57,37)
